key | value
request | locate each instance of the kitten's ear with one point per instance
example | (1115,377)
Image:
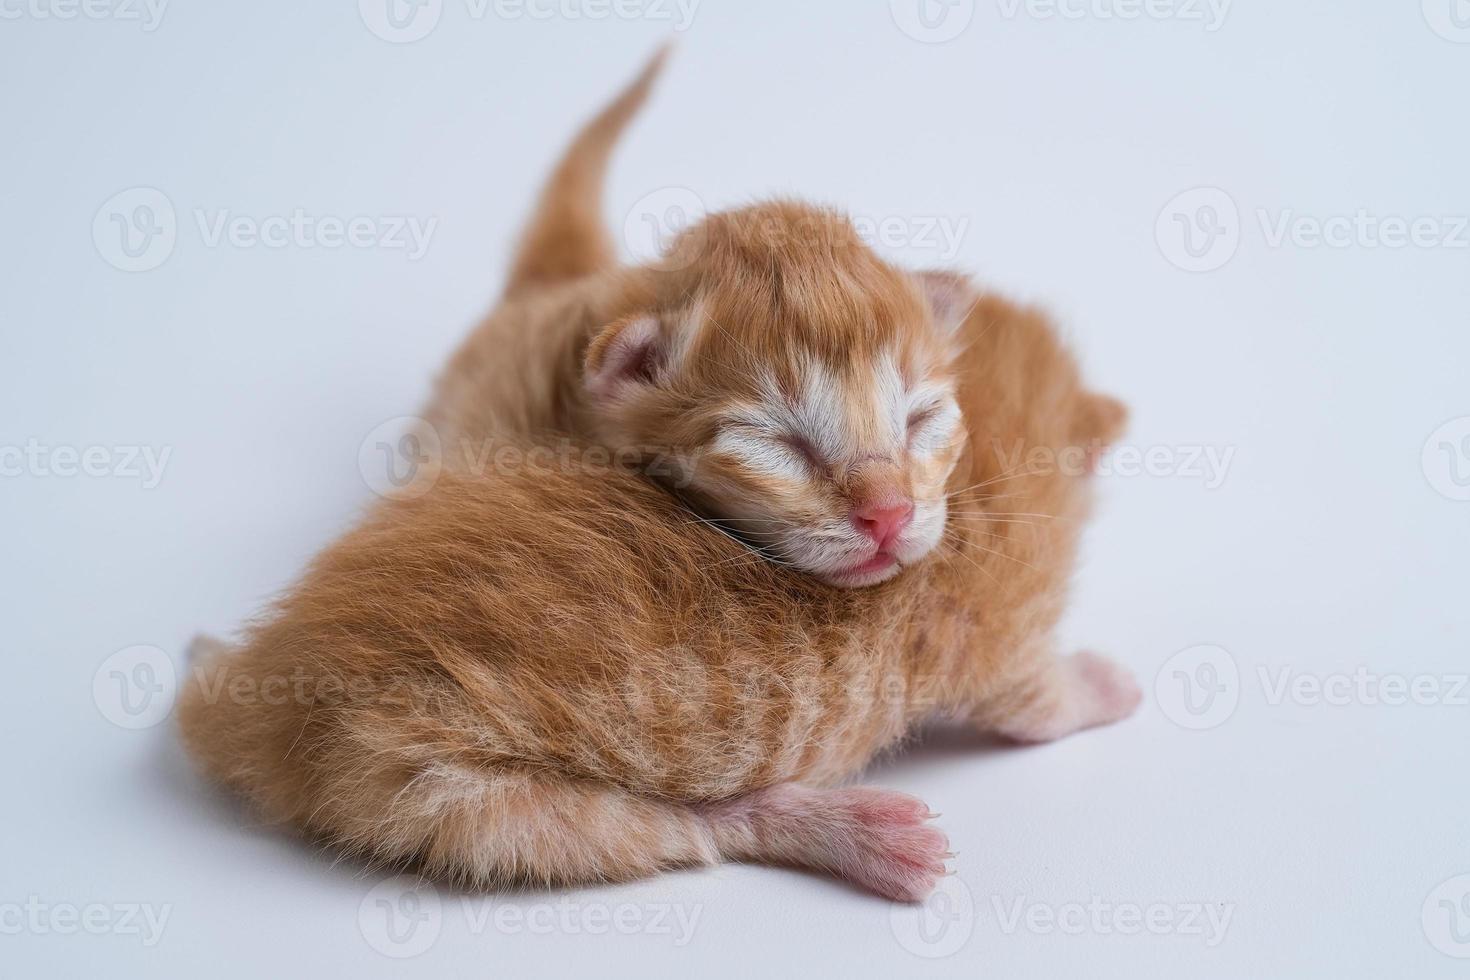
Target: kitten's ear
(951,297)
(629,351)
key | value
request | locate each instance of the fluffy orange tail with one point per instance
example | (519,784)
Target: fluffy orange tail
(566,237)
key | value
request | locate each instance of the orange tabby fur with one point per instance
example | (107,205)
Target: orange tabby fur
(562,676)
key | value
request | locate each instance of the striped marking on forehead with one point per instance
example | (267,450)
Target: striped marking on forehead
(845,411)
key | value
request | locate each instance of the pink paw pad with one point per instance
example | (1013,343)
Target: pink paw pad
(891,848)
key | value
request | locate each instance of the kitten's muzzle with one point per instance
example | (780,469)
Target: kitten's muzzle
(884,521)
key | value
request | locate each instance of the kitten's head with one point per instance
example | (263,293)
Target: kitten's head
(802,385)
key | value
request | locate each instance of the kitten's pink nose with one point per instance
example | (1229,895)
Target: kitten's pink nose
(883,521)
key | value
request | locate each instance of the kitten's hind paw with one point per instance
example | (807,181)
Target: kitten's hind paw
(875,838)
(900,855)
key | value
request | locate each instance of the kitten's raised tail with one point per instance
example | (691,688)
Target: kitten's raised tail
(566,237)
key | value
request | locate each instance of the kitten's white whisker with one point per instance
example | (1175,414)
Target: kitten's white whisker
(1001,478)
(979,567)
(1002,554)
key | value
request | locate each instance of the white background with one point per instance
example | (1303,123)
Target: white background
(1332,541)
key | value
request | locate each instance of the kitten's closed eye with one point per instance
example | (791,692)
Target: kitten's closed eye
(755,439)
(931,422)
(802,446)
(919,417)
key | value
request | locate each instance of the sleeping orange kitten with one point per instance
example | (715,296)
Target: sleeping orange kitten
(555,676)
(800,387)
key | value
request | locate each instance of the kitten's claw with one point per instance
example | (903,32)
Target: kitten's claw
(899,854)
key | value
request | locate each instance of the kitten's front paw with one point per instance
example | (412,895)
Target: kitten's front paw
(1073,693)
(1114,692)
